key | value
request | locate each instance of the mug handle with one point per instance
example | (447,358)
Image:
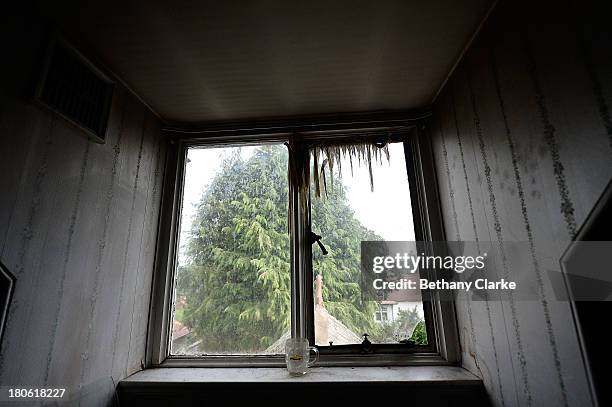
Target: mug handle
(316,351)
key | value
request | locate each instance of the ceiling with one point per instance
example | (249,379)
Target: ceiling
(197,61)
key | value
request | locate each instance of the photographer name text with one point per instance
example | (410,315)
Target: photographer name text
(442,284)
(413,263)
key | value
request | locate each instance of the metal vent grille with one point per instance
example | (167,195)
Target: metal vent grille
(76,90)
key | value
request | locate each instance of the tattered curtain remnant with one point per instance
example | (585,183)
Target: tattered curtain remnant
(325,156)
(330,155)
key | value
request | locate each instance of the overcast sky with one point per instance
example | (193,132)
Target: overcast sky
(386,211)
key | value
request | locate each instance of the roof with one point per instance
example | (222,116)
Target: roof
(404,296)
(327,329)
(178,330)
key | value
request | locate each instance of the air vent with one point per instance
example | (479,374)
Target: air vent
(75,89)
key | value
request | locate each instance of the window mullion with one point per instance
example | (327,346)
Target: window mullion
(301,257)
(307,270)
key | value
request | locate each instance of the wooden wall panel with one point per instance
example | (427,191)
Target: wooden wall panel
(78,224)
(522,142)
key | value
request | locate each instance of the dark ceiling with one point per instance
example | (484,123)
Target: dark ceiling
(194,61)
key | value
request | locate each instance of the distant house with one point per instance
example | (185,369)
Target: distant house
(184,341)
(393,302)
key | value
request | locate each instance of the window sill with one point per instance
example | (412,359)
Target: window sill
(434,385)
(404,374)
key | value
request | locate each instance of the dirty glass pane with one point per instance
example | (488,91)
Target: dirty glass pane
(232,288)
(350,213)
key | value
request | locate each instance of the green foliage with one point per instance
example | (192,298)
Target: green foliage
(342,234)
(419,335)
(399,329)
(236,281)
(178,315)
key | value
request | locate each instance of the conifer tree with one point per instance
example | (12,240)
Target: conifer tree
(236,281)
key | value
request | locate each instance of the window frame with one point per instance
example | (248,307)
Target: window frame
(439,315)
(383,309)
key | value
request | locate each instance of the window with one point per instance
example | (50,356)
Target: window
(260,241)
(364,204)
(232,288)
(382,314)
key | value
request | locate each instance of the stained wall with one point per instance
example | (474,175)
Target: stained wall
(78,227)
(522,140)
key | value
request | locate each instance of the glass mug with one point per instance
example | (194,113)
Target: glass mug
(297,356)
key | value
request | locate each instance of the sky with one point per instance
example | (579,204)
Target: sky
(386,211)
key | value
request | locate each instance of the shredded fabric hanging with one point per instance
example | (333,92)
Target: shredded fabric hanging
(326,155)
(330,155)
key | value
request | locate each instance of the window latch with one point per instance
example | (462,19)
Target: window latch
(317,238)
(366,345)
